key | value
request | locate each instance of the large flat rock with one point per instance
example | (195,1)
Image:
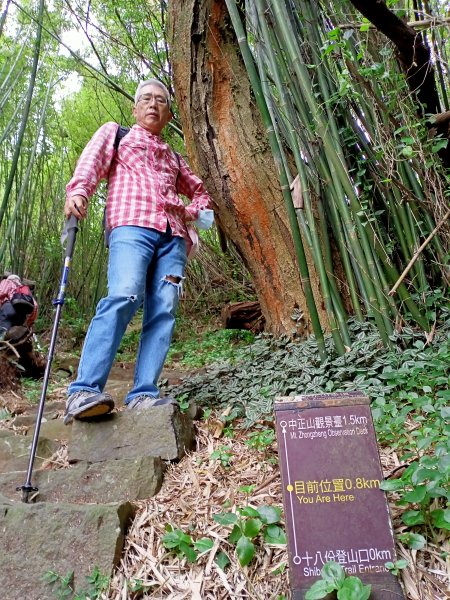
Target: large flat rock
(128,479)
(43,537)
(53,430)
(162,431)
(15,451)
(52,410)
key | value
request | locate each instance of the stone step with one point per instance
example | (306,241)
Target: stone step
(162,431)
(129,479)
(15,451)
(74,524)
(43,537)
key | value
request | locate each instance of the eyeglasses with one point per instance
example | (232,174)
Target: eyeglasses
(148,99)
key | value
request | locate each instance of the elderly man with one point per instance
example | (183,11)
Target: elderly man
(148,246)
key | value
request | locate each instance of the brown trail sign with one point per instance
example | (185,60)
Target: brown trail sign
(334,509)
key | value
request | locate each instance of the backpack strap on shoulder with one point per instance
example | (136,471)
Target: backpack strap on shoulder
(179,168)
(120,134)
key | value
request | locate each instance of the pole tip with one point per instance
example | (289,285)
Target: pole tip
(26,490)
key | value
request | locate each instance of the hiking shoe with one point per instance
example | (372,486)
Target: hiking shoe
(85,404)
(146,401)
(23,303)
(17,334)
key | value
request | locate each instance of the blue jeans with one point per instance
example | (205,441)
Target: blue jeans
(145,266)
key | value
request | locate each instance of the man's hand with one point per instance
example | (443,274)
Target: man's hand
(76,205)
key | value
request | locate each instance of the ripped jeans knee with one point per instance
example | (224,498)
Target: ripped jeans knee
(176,281)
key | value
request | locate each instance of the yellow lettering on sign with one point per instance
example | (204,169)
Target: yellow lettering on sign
(322,499)
(343,497)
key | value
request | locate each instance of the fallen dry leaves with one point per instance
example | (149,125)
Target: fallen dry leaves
(197,488)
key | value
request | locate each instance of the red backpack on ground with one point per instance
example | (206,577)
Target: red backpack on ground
(18,295)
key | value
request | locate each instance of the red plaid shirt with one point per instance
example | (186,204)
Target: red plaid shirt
(144,181)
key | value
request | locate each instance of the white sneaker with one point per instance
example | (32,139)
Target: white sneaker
(146,401)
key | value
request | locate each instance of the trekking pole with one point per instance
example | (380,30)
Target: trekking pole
(70,231)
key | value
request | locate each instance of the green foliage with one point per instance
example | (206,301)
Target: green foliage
(261,439)
(396,567)
(224,454)
(183,545)
(187,350)
(63,585)
(32,389)
(129,345)
(228,431)
(272,367)
(98,583)
(250,525)
(4,414)
(137,585)
(419,396)
(247,489)
(425,485)
(210,347)
(414,540)
(222,560)
(180,543)
(334,579)
(183,402)
(73,321)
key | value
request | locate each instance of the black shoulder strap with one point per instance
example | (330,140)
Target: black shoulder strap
(120,134)
(179,168)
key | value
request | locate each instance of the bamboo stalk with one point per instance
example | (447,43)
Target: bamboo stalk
(295,131)
(3,17)
(14,162)
(418,253)
(26,178)
(363,253)
(285,187)
(313,236)
(6,81)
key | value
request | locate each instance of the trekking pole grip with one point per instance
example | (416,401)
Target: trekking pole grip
(72,228)
(69,234)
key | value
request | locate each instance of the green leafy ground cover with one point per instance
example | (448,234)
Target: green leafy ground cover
(272,367)
(209,347)
(409,388)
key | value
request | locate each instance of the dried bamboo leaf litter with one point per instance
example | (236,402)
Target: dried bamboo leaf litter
(197,488)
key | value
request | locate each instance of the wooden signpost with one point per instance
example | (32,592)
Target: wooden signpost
(334,509)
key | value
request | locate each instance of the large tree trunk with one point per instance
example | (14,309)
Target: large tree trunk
(228,148)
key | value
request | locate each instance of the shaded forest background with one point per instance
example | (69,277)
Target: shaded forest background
(322,137)
(55,94)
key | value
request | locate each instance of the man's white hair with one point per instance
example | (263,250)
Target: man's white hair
(151,82)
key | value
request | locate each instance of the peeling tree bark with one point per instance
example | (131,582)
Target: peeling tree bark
(228,148)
